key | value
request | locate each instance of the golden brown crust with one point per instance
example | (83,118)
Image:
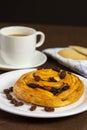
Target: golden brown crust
(80,49)
(72,54)
(48,87)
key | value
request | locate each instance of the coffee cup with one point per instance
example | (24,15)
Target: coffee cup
(18,44)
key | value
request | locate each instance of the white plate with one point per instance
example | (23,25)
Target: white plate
(38,59)
(8,79)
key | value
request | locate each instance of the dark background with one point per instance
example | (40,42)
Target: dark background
(61,12)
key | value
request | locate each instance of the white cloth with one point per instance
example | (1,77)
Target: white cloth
(79,66)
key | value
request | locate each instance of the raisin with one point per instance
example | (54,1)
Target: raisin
(57,69)
(66,87)
(51,79)
(49,109)
(21,103)
(55,91)
(37,78)
(6,91)
(13,101)
(9,97)
(62,74)
(32,85)
(33,107)
(11,89)
(18,103)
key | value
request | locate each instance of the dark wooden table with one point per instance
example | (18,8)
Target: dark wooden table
(56,36)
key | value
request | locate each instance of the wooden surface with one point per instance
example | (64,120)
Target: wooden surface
(56,36)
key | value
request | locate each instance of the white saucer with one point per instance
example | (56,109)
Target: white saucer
(38,59)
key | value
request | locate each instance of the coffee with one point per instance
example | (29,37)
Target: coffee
(20,35)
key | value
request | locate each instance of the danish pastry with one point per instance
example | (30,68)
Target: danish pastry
(49,87)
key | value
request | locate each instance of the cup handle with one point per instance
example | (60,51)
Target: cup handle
(42,38)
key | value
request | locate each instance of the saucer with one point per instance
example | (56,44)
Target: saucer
(38,59)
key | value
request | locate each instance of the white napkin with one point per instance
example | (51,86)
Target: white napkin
(79,66)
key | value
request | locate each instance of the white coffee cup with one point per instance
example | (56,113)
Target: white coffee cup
(18,44)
